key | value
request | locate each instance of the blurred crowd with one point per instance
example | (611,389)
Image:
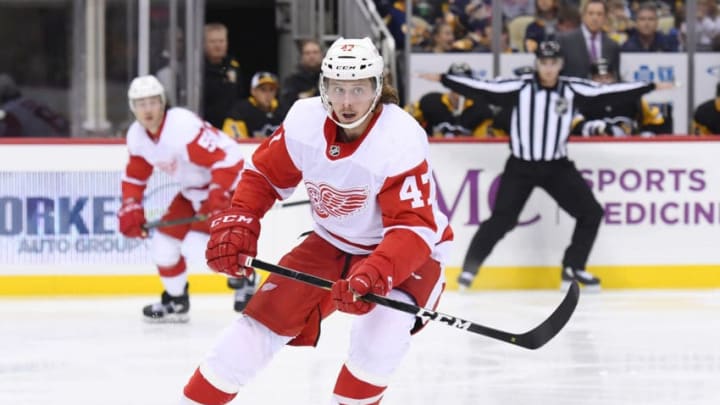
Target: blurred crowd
(465,25)
(592,34)
(252,104)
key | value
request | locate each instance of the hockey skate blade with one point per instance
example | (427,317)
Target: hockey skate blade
(565,285)
(465,281)
(169,318)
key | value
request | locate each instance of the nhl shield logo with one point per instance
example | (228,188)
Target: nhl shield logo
(561,106)
(334,150)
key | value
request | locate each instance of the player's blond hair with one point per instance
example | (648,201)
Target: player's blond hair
(389,95)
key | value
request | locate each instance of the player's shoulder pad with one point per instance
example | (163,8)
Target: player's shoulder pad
(404,141)
(302,114)
(134,134)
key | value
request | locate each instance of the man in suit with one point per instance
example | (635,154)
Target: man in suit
(590,40)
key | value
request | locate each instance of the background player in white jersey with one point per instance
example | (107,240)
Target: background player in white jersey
(364,164)
(204,161)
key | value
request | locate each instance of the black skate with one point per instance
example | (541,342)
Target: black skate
(465,280)
(585,279)
(169,310)
(244,290)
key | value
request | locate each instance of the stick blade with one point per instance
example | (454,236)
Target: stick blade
(547,330)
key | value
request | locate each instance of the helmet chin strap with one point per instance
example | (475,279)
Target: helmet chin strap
(358,121)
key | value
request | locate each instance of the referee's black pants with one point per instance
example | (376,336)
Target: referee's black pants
(563,182)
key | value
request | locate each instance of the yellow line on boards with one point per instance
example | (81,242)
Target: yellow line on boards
(103,285)
(489,278)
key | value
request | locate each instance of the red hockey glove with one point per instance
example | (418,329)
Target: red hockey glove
(217,200)
(131,218)
(366,276)
(232,232)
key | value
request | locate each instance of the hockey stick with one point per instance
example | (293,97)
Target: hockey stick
(294,203)
(197,218)
(172,222)
(532,339)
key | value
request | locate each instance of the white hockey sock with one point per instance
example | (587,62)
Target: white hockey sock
(175,285)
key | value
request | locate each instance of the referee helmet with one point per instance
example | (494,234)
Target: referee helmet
(548,49)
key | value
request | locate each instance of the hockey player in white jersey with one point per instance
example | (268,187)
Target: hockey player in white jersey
(207,165)
(364,164)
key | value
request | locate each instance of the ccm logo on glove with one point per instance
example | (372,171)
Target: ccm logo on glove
(227,219)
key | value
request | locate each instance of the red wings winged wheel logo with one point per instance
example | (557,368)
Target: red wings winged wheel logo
(328,201)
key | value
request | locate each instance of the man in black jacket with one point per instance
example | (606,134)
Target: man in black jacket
(304,82)
(224,83)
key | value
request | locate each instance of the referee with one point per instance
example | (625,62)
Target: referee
(542,106)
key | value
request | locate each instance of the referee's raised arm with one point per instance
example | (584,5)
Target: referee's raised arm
(586,90)
(502,92)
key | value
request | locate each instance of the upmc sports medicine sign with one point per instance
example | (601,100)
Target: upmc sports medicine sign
(661,201)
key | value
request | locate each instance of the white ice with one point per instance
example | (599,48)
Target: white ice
(620,347)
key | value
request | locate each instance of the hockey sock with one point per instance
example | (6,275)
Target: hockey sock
(351,390)
(174,277)
(200,390)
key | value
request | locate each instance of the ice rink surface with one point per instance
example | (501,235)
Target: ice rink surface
(620,347)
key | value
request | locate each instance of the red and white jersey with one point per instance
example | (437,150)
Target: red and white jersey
(360,190)
(190,150)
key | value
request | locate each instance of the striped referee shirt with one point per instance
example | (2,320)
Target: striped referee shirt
(541,117)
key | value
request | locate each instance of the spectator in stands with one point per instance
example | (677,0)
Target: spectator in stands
(480,38)
(707,24)
(303,82)
(646,37)
(619,22)
(587,44)
(544,26)
(516,8)
(505,46)
(448,114)
(619,116)
(442,38)
(675,32)
(568,18)
(224,83)
(664,7)
(425,14)
(470,12)
(710,26)
(22,116)
(258,115)
(706,119)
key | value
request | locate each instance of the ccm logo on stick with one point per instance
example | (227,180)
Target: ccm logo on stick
(231,218)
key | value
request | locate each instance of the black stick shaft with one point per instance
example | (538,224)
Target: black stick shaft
(294,203)
(173,222)
(200,217)
(532,339)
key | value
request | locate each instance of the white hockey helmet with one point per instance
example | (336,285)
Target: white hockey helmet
(351,59)
(145,86)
